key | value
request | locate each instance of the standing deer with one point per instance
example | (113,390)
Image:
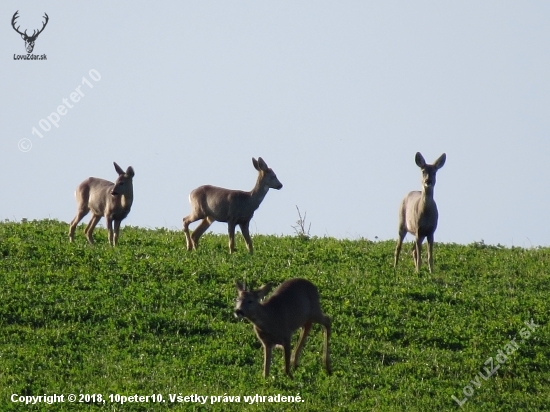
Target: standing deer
(294,305)
(104,198)
(418,212)
(236,207)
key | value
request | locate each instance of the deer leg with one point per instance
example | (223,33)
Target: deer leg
(301,341)
(326,353)
(231,231)
(246,235)
(187,220)
(286,350)
(402,234)
(430,239)
(326,322)
(90,228)
(110,230)
(268,351)
(197,233)
(117,229)
(417,253)
(80,214)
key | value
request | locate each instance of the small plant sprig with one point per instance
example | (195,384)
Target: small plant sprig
(300,227)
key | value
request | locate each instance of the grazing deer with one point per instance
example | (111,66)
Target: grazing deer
(235,207)
(418,212)
(294,305)
(104,198)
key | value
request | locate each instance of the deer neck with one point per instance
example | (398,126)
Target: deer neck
(258,193)
(426,200)
(127,199)
(428,192)
(261,318)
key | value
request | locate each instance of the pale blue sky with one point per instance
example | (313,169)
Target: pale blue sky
(337,97)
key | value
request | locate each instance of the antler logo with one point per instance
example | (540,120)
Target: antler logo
(29,40)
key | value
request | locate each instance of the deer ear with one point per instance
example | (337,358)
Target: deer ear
(440,161)
(419,159)
(130,171)
(22,36)
(264,290)
(118,169)
(256,165)
(262,164)
(240,287)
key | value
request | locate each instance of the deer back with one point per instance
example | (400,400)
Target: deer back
(288,308)
(222,204)
(293,303)
(96,193)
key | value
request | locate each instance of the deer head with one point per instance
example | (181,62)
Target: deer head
(29,40)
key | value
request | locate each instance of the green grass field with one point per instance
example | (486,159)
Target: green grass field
(149,318)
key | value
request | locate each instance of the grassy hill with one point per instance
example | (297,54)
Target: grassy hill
(149,318)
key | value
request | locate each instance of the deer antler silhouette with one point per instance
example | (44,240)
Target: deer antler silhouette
(29,40)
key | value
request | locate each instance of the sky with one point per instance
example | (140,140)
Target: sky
(336,97)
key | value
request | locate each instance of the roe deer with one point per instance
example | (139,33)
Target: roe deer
(294,305)
(104,198)
(235,207)
(418,212)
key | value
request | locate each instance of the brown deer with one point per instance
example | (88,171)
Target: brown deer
(104,198)
(235,207)
(293,305)
(418,212)
(29,40)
